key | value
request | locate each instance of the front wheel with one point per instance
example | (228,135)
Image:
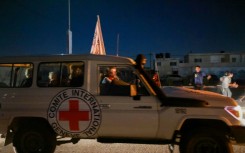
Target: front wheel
(34,139)
(205,141)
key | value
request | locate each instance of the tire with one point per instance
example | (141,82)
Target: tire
(205,141)
(34,139)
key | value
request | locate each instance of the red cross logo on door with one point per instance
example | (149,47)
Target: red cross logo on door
(74,115)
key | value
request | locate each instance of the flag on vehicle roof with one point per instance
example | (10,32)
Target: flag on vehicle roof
(98,46)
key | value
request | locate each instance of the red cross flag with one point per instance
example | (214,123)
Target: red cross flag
(98,46)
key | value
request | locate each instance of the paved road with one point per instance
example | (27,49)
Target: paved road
(91,146)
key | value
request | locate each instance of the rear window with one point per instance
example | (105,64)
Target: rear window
(16,75)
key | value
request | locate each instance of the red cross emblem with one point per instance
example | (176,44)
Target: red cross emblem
(74,115)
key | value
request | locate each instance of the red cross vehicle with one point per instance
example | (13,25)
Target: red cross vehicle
(111,99)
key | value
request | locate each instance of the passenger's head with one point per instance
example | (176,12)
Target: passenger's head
(76,71)
(52,76)
(112,71)
(28,72)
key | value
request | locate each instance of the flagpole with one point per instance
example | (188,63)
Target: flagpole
(69,15)
(69,33)
(118,44)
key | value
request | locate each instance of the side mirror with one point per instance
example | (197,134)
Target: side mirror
(133,90)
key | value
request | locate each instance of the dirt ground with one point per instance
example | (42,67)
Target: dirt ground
(92,146)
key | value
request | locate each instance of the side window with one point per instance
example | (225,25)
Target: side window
(117,81)
(61,74)
(48,75)
(16,75)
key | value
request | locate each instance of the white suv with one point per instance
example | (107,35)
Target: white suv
(65,97)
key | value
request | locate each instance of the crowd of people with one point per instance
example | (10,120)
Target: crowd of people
(225,81)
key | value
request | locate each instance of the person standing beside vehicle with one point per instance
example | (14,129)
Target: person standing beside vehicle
(198,77)
(226,84)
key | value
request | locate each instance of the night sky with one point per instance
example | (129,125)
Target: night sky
(145,26)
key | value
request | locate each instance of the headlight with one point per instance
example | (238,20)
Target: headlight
(235,111)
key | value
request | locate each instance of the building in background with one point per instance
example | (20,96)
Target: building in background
(166,64)
(212,63)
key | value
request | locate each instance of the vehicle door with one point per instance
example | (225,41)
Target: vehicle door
(124,115)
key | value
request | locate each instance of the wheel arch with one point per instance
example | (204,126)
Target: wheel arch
(20,122)
(191,124)
(215,129)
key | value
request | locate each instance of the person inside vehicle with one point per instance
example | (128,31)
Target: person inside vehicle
(53,81)
(112,78)
(27,82)
(76,76)
(113,85)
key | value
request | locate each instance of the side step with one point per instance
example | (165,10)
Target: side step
(72,140)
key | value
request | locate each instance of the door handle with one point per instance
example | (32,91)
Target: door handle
(143,107)
(4,96)
(105,106)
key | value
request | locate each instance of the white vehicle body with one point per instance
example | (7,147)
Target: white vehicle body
(82,111)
